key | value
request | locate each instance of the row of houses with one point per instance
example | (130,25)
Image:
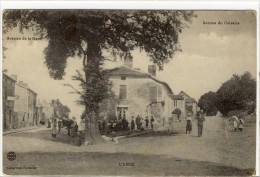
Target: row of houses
(141,93)
(21,108)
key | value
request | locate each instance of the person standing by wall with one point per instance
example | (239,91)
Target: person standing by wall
(151,122)
(54,128)
(146,122)
(81,130)
(59,126)
(132,123)
(201,119)
(189,123)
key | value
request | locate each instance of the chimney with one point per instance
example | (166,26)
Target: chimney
(25,85)
(128,61)
(14,77)
(152,70)
(21,83)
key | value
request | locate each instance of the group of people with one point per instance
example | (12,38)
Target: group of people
(200,119)
(140,123)
(117,125)
(137,123)
(58,124)
(238,124)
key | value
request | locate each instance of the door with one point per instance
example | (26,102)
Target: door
(122,112)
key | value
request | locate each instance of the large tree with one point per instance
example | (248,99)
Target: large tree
(87,33)
(238,93)
(208,103)
(63,109)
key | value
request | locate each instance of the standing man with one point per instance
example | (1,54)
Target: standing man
(146,122)
(59,126)
(54,128)
(138,121)
(132,123)
(81,131)
(201,119)
(151,121)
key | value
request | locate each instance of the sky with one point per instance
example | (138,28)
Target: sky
(211,54)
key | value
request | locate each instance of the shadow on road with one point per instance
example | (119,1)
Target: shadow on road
(46,135)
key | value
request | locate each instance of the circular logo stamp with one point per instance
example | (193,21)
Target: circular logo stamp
(11,156)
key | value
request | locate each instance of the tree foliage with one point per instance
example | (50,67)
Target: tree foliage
(208,103)
(90,33)
(63,109)
(238,93)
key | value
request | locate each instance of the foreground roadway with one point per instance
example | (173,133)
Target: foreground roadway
(220,151)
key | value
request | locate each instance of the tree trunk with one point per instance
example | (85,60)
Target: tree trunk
(92,73)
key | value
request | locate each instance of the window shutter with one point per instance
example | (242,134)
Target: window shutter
(123,92)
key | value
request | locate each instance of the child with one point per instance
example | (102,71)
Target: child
(235,122)
(189,124)
(241,125)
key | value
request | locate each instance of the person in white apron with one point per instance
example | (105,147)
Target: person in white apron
(235,122)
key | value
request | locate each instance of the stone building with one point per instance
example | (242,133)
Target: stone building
(32,97)
(185,103)
(140,93)
(45,111)
(24,105)
(8,97)
(21,104)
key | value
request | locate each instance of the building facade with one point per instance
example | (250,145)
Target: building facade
(21,104)
(32,117)
(8,98)
(185,104)
(140,93)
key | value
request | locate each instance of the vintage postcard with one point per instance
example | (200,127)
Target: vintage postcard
(129,92)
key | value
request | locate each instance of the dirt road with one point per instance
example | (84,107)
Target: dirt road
(219,151)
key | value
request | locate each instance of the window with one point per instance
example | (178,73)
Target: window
(175,103)
(153,94)
(123,92)
(123,78)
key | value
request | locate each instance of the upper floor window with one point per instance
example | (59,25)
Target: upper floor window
(123,92)
(175,103)
(153,94)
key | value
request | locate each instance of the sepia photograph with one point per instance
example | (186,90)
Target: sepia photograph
(98,92)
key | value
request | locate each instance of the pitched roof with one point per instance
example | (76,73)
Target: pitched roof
(177,97)
(9,77)
(124,71)
(190,100)
(127,72)
(182,92)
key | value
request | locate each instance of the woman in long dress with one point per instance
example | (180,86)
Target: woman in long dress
(189,123)
(54,128)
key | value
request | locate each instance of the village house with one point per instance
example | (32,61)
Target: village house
(32,97)
(185,104)
(8,97)
(21,104)
(24,105)
(45,111)
(140,93)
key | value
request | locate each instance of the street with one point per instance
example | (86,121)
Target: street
(220,151)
